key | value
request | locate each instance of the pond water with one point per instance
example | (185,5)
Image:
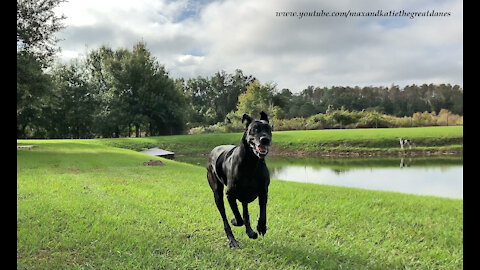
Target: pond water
(436,176)
(441,177)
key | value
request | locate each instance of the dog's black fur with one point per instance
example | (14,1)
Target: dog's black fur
(243,171)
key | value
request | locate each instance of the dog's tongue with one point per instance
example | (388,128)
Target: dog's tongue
(262,148)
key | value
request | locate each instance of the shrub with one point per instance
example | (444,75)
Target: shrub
(317,121)
(372,120)
(297,123)
(340,119)
(446,118)
(424,119)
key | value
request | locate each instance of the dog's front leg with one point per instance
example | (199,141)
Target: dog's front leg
(221,208)
(246,220)
(237,221)
(262,220)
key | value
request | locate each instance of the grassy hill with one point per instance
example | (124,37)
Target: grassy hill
(381,141)
(84,205)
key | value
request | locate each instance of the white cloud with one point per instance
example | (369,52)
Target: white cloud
(189,60)
(195,38)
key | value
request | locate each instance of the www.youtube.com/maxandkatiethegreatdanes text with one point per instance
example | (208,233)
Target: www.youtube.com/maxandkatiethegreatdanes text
(349,13)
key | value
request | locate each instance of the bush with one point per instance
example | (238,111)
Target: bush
(424,119)
(297,123)
(341,119)
(446,118)
(372,120)
(317,121)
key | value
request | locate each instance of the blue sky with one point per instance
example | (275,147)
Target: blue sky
(199,38)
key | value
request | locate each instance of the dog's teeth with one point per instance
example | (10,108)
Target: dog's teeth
(262,149)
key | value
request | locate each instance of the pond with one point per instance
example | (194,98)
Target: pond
(436,176)
(441,177)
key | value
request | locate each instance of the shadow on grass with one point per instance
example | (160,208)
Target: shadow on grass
(317,258)
(285,256)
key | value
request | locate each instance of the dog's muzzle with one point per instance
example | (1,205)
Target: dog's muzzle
(261,150)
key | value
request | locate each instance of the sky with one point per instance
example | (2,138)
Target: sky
(200,38)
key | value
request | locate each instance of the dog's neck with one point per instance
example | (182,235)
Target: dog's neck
(246,152)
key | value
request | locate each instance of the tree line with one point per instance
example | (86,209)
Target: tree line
(122,92)
(391,100)
(118,93)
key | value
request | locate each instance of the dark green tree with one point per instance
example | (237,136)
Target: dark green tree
(73,105)
(33,87)
(135,91)
(36,46)
(211,99)
(37,24)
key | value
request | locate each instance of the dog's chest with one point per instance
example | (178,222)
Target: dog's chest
(246,189)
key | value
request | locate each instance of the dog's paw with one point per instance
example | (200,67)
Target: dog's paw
(251,234)
(236,222)
(262,229)
(234,243)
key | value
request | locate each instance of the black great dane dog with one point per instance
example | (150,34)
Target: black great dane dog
(243,171)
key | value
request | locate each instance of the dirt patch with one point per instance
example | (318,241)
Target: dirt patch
(365,153)
(26,146)
(277,151)
(152,162)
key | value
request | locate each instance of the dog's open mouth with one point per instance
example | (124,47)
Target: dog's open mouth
(260,150)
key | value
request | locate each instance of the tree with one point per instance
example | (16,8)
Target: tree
(136,91)
(73,104)
(257,98)
(211,99)
(36,45)
(196,90)
(33,85)
(282,99)
(36,28)
(228,92)
(111,115)
(307,109)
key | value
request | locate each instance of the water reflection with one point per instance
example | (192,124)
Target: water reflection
(424,176)
(437,176)
(405,164)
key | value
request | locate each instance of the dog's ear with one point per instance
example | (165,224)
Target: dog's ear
(248,118)
(263,116)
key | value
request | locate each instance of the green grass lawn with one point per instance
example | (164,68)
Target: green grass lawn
(381,139)
(84,205)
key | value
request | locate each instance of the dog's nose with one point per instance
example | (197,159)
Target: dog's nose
(264,140)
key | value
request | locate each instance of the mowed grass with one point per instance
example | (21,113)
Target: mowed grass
(81,205)
(373,139)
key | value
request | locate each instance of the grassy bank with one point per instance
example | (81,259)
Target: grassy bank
(345,163)
(84,205)
(381,141)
